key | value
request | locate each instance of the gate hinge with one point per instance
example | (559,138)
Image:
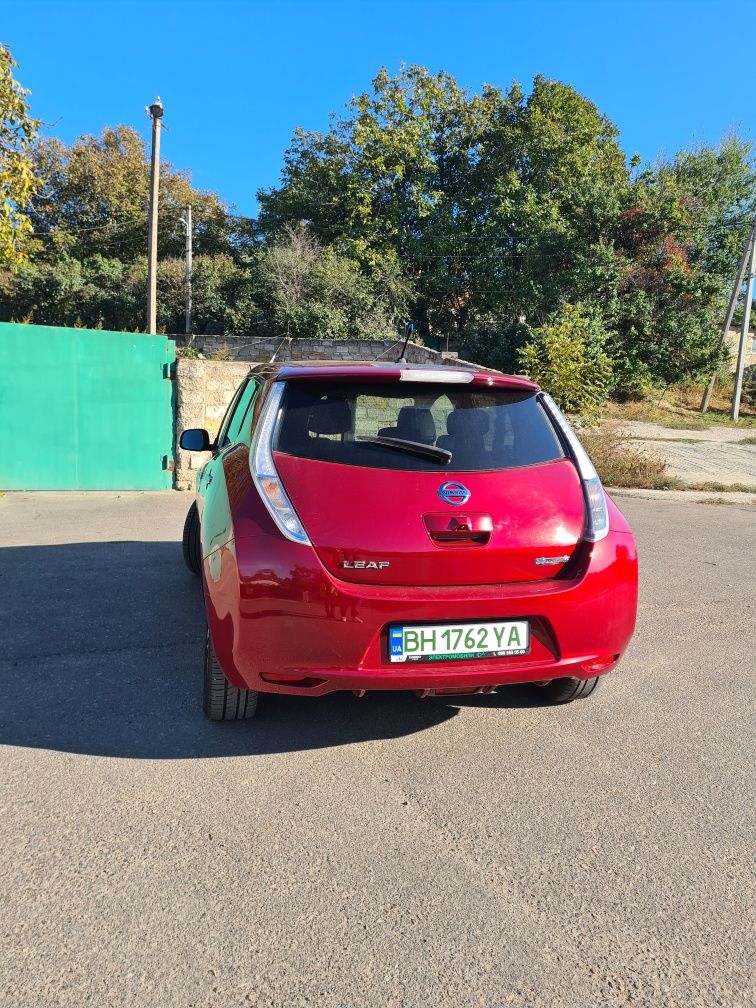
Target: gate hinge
(169,371)
(168,464)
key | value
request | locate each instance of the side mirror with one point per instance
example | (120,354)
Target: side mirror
(194,439)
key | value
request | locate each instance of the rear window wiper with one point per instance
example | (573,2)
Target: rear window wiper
(411,447)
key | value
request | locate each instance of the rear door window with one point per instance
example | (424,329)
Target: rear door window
(483,429)
(238,424)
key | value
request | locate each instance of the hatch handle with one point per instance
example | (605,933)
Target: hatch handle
(459,528)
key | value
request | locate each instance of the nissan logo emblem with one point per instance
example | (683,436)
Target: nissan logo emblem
(453,493)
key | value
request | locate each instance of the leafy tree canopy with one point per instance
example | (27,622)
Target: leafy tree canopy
(18,180)
(502,207)
(95,198)
(494,203)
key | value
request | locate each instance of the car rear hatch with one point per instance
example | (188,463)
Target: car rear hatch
(428,482)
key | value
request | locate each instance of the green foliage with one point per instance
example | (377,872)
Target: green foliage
(18,179)
(496,205)
(501,206)
(567,358)
(748,394)
(679,240)
(314,290)
(98,291)
(95,198)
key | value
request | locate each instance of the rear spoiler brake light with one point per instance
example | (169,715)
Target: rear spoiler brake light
(597,513)
(453,377)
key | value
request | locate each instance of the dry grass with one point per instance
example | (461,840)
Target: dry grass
(725,500)
(619,463)
(714,487)
(678,407)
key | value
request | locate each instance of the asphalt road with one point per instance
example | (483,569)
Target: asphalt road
(387,851)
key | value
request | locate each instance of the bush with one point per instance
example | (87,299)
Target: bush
(567,358)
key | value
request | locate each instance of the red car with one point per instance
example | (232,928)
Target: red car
(389,526)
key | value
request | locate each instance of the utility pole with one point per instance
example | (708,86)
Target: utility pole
(187,222)
(155,112)
(744,328)
(731,309)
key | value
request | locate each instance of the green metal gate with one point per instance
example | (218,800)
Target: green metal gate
(84,409)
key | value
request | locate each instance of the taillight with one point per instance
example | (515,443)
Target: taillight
(597,513)
(264,474)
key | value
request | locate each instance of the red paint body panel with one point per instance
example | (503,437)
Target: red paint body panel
(273,608)
(378,515)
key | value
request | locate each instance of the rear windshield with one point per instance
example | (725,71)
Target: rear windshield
(482,429)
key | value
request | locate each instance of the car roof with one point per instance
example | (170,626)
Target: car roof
(385,371)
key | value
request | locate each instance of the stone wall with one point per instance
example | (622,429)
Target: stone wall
(239,348)
(203,391)
(733,341)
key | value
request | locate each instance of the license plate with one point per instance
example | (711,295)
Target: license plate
(456,641)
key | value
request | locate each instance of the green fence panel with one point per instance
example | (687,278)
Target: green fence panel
(84,409)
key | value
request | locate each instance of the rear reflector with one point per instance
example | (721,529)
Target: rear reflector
(600,664)
(306,682)
(453,377)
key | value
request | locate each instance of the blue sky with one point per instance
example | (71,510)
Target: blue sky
(237,76)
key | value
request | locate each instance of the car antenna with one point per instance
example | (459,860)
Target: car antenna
(408,331)
(278,348)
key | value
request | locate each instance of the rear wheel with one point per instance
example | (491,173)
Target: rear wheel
(222,701)
(191,541)
(567,689)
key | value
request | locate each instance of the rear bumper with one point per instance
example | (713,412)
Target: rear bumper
(281,623)
(450,680)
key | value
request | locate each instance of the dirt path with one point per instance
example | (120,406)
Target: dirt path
(718,455)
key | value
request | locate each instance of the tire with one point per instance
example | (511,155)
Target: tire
(190,542)
(567,689)
(222,701)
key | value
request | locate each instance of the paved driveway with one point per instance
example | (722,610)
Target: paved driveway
(375,852)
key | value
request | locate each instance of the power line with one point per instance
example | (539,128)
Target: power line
(80,230)
(206,214)
(113,224)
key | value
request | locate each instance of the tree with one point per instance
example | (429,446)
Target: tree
(99,292)
(567,357)
(18,180)
(312,290)
(502,206)
(679,240)
(495,205)
(225,296)
(87,258)
(95,199)
(286,266)
(478,217)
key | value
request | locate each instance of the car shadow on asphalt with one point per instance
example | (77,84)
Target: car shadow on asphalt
(101,654)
